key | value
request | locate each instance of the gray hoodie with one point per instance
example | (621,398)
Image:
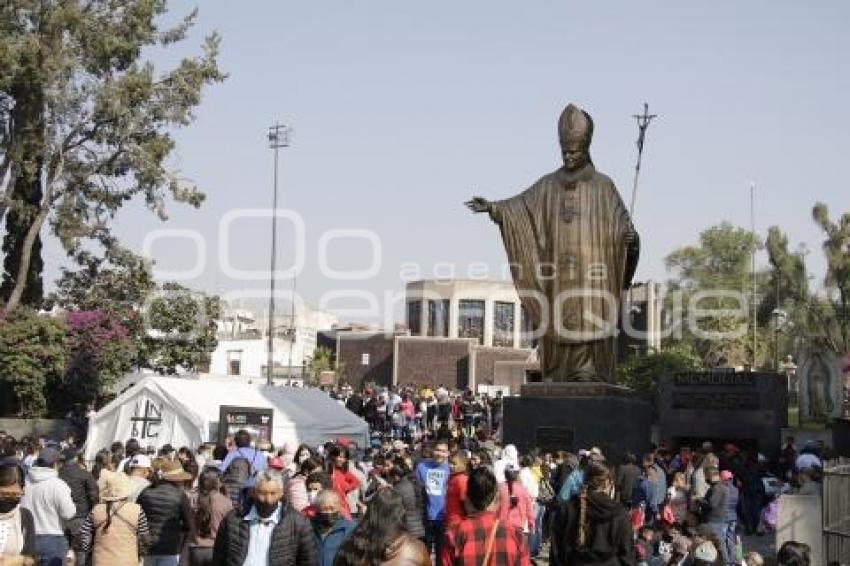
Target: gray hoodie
(48,498)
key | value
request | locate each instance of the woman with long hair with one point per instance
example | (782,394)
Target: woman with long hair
(102,462)
(381,537)
(342,480)
(296,487)
(303,452)
(211,509)
(515,508)
(592,528)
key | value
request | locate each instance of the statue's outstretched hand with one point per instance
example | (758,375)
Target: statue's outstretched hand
(478,204)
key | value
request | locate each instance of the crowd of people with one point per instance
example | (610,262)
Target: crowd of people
(434,486)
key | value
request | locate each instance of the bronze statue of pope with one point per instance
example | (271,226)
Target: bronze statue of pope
(572,251)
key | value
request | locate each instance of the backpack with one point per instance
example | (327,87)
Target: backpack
(545,492)
(641,492)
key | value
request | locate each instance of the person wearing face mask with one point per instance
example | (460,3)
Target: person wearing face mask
(316,483)
(296,487)
(303,452)
(330,528)
(271,532)
(17,527)
(592,528)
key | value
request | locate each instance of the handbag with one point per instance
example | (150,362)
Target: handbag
(491,539)
(545,493)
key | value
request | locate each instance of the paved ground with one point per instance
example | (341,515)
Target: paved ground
(764,545)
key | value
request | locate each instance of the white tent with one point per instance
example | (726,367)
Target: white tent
(185,412)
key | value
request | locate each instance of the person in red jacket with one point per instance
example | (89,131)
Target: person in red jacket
(342,481)
(515,507)
(456,491)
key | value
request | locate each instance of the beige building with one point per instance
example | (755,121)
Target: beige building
(488,311)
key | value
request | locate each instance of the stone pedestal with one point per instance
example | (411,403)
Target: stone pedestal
(572,416)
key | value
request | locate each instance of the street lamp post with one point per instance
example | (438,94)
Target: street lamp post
(278,138)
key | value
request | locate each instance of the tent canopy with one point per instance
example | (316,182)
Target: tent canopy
(185,412)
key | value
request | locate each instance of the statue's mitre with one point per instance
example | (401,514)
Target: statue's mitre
(575,125)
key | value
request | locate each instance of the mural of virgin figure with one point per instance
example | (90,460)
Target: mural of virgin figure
(820,386)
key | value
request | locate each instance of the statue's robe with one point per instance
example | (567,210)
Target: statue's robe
(565,238)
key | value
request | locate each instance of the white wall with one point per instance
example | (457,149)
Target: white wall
(253,353)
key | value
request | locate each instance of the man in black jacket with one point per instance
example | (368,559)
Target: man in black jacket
(169,515)
(83,491)
(412,497)
(626,480)
(271,533)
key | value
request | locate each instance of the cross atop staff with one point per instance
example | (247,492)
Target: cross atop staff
(643,121)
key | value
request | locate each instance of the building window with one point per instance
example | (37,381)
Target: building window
(234,362)
(364,359)
(471,319)
(438,318)
(503,324)
(414,317)
(526,330)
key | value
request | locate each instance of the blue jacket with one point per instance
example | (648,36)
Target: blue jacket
(328,546)
(573,485)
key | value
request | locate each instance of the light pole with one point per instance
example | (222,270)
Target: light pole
(278,138)
(753,267)
(643,121)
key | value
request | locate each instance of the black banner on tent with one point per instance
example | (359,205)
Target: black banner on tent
(255,420)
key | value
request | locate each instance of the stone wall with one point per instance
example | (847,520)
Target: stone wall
(378,350)
(433,361)
(801,520)
(52,428)
(747,408)
(486,359)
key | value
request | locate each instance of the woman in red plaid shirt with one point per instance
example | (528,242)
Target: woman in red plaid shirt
(483,538)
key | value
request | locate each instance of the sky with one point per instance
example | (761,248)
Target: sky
(401,111)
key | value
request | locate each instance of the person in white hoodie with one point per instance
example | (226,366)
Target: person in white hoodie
(510,456)
(49,500)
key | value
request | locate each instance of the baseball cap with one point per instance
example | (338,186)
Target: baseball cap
(140,461)
(706,552)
